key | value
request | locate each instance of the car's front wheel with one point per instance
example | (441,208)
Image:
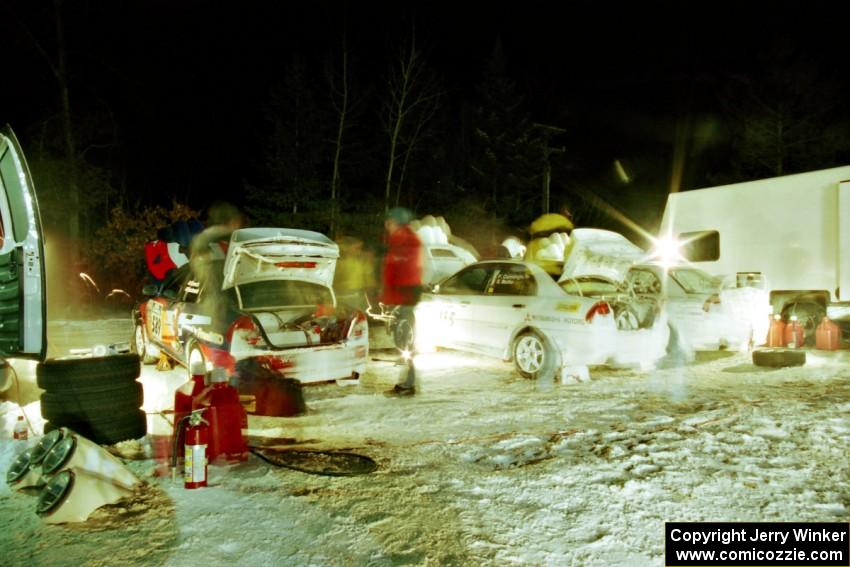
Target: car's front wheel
(140,344)
(534,357)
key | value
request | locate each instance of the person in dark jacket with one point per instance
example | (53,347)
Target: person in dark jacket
(401,277)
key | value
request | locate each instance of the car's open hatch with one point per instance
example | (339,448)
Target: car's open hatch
(603,253)
(264,254)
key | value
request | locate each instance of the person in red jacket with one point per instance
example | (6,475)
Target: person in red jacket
(402,285)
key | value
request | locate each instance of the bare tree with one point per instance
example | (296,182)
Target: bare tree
(412,96)
(340,98)
(786,119)
(423,119)
(60,73)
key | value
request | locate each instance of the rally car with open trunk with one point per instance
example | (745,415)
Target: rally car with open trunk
(268,303)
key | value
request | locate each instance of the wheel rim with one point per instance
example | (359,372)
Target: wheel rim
(530,354)
(141,344)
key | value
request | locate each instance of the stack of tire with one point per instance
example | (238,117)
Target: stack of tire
(97,397)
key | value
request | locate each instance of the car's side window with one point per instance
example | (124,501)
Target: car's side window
(441,253)
(513,279)
(469,281)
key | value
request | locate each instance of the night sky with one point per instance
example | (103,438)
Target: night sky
(176,91)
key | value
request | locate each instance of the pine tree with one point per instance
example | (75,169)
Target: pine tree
(294,191)
(507,153)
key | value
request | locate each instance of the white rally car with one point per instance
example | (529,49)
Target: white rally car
(702,313)
(268,304)
(514,310)
(442,252)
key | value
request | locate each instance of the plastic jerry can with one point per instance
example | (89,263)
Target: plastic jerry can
(795,334)
(226,416)
(827,335)
(184,397)
(776,332)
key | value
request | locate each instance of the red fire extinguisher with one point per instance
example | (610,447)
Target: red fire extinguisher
(195,451)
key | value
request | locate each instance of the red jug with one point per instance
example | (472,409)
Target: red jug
(827,335)
(795,334)
(776,332)
(226,416)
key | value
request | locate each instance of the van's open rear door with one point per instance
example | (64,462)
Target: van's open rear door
(843,241)
(23,311)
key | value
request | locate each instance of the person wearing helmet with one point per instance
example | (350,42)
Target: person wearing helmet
(549,236)
(401,277)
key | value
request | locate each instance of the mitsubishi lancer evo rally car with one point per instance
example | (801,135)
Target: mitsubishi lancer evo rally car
(270,302)
(514,310)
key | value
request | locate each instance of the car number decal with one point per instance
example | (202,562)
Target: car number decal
(447,315)
(155,316)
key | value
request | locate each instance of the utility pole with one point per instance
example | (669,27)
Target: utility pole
(548,132)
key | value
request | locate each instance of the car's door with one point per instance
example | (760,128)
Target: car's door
(23,311)
(455,301)
(505,306)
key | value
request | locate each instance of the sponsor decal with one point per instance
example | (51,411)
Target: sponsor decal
(208,336)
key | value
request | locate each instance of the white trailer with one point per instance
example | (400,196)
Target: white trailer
(791,232)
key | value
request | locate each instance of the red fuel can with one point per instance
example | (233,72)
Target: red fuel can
(776,332)
(227,419)
(184,398)
(795,334)
(827,335)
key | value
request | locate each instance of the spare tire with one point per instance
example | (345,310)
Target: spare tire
(109,431)
(779,357)
(87,374)
(67,405)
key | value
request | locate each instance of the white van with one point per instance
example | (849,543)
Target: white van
(790,234)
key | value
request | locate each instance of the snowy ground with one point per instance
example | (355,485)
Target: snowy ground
(480,467)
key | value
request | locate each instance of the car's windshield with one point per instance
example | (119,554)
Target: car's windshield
(588,286)
(283,293)
(693,280)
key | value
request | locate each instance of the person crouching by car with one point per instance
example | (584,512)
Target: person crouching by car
(402,286)
(354,278)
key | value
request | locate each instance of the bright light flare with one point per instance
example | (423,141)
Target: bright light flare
(117,292)
(406,354)
(668,251)
(86,278)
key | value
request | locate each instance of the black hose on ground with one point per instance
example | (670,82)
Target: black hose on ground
(357,464)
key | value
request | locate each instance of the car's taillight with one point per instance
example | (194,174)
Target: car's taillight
(599,308)
(359,326)
(713,299)
(324,310)
(244,329)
